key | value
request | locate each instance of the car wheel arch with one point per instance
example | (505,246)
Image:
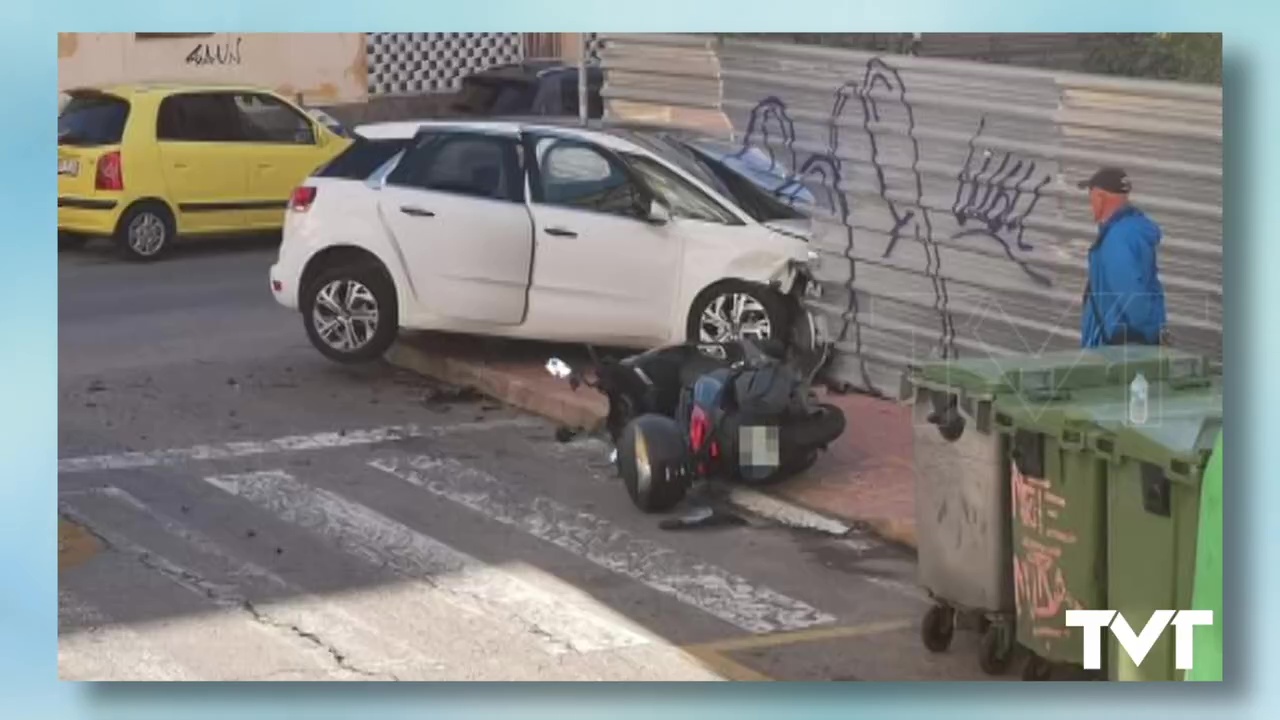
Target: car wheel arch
(148,200)
(725,284)
(339,255)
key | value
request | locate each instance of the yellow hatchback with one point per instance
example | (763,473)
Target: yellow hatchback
(143,164)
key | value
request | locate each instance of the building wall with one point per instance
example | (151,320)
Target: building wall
(322,68)
(944,191)
(402,64)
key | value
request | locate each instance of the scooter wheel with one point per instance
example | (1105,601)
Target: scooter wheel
(653,459)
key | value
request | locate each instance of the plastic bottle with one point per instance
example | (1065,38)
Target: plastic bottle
(1138,400)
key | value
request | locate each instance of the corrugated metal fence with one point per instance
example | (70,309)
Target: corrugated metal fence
(950,220)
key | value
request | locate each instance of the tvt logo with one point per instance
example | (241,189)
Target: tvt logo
(1137,645)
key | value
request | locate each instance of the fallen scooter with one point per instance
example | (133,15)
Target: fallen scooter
(739,411)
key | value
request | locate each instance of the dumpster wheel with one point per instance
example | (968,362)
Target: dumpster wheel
(938,627)
(1037,669)
(997,648)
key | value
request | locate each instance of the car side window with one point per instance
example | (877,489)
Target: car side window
(480,166)
(680,196)
(268,120)
(198,117)
(575,175)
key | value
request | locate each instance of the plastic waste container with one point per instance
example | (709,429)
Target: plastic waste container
(1063,500)
(962,476)
(1207,591)
(1155,473)
(1059,497)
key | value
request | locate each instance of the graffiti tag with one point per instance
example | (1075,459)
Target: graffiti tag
(995,193)
(997,197)
(224,53)
(1040,585)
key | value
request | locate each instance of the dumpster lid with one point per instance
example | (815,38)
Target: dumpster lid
(1158,363)
(1032,374)
(1177,414)
(1179,434)
(1047,374)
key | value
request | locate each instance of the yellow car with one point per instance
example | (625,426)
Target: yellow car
(143,164)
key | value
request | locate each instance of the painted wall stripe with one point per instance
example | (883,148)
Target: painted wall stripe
(292,443)
(718,592)
(558,626)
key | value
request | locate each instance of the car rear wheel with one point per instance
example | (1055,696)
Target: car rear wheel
(350,313)
(735,310)
(145,232)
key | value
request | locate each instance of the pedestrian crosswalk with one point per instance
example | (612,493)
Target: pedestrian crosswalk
(367,588)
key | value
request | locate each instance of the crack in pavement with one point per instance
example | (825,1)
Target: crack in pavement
(221,595)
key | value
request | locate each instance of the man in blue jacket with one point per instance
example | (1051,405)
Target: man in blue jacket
(1124,300)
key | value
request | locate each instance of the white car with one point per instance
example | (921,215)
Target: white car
(616,236)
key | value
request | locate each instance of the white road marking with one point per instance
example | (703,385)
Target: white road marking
(293,443)
(305,611)
(711,589)
(224,596)
(559,626)
(97,650)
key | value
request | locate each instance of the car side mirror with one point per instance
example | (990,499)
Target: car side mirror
(658,213)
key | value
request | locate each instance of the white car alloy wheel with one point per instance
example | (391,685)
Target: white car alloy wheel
(734,316)
(345,315)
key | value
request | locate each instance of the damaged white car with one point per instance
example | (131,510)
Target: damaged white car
(610,235)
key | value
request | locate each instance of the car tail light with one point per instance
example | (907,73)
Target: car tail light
(302,198)
(110,172)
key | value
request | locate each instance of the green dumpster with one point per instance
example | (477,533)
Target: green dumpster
(1059,495)
(1207,592)
(1154,488)
(962,474)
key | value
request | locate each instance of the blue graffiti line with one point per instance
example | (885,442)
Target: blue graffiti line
(991,197)
(880,74)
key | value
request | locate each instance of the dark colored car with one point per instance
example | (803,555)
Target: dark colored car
(532,88)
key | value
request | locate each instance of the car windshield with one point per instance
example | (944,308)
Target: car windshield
(710,166)
(92,119)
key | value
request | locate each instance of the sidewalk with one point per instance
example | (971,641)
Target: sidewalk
(864,479)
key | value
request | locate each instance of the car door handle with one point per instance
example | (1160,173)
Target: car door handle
(180,166)
(560,232)
(416,212)
(265,166)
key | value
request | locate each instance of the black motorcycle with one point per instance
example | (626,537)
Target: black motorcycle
(742,411)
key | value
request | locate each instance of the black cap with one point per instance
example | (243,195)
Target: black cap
(1111,179)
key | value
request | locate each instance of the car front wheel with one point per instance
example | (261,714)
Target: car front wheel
(735,310)
(350,313)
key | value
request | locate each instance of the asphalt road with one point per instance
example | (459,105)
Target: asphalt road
(236,507)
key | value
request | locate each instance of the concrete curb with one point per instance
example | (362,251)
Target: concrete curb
(575,412)
(579,412)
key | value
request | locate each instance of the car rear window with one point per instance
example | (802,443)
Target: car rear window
(364,156)
(92,119)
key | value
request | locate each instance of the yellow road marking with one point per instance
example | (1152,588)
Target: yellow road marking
(725,667)
(753,642)
(75,545)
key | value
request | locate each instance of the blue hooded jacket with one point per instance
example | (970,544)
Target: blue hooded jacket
(1124,289)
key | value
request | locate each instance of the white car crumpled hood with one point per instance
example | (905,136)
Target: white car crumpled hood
(799,227)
